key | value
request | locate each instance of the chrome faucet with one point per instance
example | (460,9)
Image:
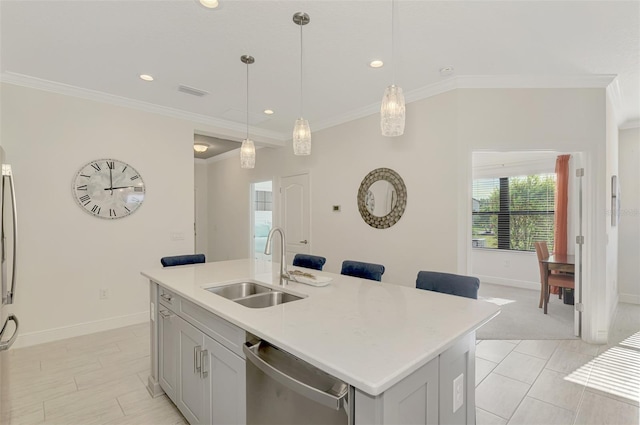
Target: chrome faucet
(284,276)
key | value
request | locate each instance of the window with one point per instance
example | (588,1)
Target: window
(513,212)
(263,200)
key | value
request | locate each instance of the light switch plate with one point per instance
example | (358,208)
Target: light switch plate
(458,392)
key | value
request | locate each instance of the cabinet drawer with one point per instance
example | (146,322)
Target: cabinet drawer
(169,299)
(227,334)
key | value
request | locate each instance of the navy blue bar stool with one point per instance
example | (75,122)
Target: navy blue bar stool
(448,283)
(364,270)
(309,261)
(180,260)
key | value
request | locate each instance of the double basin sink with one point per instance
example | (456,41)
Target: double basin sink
(253,295)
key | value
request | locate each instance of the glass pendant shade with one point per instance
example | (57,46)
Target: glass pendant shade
(392,112)
(302,137)
(247,154)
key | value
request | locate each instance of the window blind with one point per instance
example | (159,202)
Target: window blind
(513,212)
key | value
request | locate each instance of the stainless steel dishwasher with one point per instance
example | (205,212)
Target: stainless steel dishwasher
(282,389)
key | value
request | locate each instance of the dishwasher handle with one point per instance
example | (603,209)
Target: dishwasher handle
(326,399)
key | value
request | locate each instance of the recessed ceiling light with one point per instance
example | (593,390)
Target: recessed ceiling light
(146,77)
(448,70)
(200,147)
(376,64)
(210,4)
(268,112)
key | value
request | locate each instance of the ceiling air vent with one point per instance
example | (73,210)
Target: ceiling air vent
(191,90)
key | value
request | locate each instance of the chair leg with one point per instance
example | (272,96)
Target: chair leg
(546,299)
(541,295)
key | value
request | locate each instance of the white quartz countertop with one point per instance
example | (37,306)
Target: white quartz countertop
(369,334)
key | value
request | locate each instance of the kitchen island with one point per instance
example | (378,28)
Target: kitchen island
(398,348)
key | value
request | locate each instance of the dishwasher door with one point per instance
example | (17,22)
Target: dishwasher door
(282,389)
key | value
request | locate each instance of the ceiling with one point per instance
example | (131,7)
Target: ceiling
(101,47)
(215,146)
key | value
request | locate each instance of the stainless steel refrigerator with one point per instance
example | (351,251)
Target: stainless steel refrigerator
(8,236)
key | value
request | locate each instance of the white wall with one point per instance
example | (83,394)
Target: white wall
(201,208)
(629,227)
(611,288)
(569,120)
(423,239)
(65,254)
(434,158)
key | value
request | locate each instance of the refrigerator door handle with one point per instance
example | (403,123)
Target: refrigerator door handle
(6,172)
(6,344)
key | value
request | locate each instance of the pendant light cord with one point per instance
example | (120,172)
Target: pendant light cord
(393,51)
(247,101)
(301,114)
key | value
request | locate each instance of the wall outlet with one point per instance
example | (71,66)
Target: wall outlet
(458,392)
(336,208)
(104,293)
(507,263)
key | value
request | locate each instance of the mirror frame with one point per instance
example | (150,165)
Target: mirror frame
(401,193)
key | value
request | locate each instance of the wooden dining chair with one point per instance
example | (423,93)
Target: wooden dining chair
(553,279)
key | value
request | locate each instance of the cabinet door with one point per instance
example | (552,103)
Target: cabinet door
(192,401)
(225,384)
(167,351)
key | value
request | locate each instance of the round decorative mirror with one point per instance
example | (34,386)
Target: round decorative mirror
(382,198)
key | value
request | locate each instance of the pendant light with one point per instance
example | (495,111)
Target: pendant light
(248,149)
(301,130)
(392,109)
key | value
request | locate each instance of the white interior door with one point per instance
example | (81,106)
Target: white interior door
(296,213)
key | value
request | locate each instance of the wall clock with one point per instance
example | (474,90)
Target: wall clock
(108,188)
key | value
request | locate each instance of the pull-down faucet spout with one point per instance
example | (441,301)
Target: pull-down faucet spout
(284,276)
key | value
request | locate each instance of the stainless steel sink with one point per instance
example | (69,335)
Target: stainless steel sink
(267,300)
(239,290)
(253,295)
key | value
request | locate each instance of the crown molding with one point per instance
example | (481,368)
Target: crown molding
(272,137)
(580,81)
(480,82)
(374,108)
(277,139)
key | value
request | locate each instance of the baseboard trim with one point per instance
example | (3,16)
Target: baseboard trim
(50,335)
(523,284)
(629,298)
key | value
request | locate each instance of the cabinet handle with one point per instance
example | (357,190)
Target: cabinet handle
(203,362)
(304,242)
(196,359)
(166,314)
(166,297)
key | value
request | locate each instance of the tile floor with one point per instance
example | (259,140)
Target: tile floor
(562,381)
(92,379)
(100,379)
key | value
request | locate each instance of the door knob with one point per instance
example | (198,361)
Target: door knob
(304,242)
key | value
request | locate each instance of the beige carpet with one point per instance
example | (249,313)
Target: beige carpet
(520,317)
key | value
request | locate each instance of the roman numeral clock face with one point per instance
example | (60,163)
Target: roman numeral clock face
(108,188)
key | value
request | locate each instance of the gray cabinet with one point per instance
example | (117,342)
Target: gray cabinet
(168,352)
(225,387)
(200,374)
(191,398)
(414,400)
(440,392)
